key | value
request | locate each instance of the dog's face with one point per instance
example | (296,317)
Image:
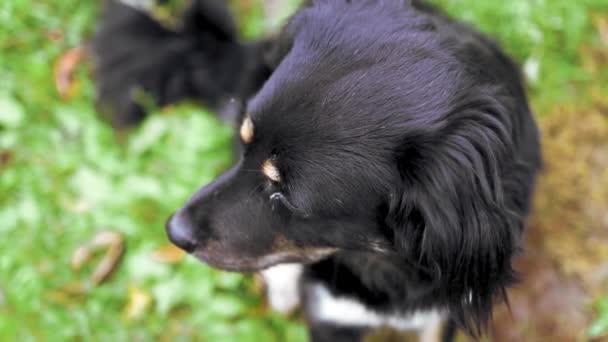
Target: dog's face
(314,179)
(324,142)
(390,138)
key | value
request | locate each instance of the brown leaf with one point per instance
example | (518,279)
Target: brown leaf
(168,254)
(80,257)
(139,303)
(108,263)
(55,35)
(68,293)
(110,242)
(601,22)
(5,158)
(64,71)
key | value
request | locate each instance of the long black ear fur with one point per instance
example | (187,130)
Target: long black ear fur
(461,208)
(202,60)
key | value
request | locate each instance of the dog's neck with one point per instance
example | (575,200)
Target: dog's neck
(380,281)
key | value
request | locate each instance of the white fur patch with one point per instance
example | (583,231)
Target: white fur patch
(144,5)
(347,311)
(282,286)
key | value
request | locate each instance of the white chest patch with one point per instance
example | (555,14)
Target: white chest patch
(324,307)
(282,286)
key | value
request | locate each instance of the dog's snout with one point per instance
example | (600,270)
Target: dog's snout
(181,232)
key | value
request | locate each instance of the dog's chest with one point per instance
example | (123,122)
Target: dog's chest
(323,306)
(282,286)
(284,295)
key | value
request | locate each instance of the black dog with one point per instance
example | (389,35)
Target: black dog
(387,148)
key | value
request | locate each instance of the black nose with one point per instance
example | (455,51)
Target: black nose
(181,232)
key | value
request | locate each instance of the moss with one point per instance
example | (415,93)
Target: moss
(571,206)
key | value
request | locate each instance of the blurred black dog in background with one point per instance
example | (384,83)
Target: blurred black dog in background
(389,157)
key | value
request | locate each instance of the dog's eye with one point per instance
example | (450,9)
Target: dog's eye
(278,197)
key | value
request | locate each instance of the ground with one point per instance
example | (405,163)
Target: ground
(70,186)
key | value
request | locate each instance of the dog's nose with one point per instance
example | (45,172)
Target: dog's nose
(181,232)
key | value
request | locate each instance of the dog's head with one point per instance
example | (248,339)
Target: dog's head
(379,143)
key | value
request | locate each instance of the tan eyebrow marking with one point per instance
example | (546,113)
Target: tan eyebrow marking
(247,130)
(271,171)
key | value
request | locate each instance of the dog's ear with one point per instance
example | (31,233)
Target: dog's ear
(212,17)
(459,212)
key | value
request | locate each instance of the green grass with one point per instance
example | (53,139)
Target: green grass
(68,177)
(65,175)
(544,36)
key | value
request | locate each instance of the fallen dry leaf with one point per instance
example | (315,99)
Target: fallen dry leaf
(64,71)
(139,303)
(108,264)
(68,293)
(5,158)
(80,257)
(168,254)
(110,242)
(55,35)
(601,22)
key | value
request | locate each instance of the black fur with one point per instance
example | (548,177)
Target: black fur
(403,139)
(202,60)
